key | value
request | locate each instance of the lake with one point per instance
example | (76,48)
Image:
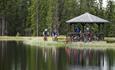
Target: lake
(19,56)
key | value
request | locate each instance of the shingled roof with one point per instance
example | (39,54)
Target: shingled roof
(87,18)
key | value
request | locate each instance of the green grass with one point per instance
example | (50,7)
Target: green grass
(21,38)
(110,39)
(38,41)
(79,45)
(15,38)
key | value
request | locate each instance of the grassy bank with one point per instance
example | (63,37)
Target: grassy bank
(21,38)
(38,41)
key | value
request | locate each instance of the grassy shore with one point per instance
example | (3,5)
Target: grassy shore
(21,38)
(15,38)
(38,41)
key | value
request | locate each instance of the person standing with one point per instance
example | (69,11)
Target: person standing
(77,34)
(45,34)
(77,30)
(54,35)
(87,34)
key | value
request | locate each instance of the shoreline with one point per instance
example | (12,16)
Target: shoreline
(38,41)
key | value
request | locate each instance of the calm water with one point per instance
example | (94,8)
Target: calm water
(17,56)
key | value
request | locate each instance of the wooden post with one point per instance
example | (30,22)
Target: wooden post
(103,29)
(70,27)
(99,27)
(74,27)
(83,26)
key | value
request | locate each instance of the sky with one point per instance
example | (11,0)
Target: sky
(105,3)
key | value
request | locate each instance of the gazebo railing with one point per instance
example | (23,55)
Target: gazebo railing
(75,37)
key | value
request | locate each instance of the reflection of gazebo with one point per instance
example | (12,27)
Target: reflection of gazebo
(90,19)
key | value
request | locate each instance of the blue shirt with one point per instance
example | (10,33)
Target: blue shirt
(77,30)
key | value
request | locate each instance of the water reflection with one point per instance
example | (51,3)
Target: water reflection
(17,56)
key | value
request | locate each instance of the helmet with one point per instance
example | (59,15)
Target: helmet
(46,29)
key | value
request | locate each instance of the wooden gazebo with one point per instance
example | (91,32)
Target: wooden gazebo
(84,19)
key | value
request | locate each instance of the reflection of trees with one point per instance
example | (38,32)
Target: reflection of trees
(111,56)
(62,59)
(7,55)
(15,56)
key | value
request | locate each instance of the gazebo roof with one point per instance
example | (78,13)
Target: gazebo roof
(87,18)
